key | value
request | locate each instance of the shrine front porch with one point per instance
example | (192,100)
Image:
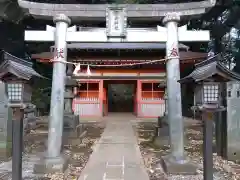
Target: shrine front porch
(100,99)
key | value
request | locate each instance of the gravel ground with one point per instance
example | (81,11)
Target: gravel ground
(35,143)
(80,154)
(224,170)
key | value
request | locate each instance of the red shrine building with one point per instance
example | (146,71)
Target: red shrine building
(125,77)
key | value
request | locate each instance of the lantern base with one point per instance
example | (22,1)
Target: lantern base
(75,133)
(183,167)
(5,151)
(233,152)
(71,120)
(51,165)
(165,119)
(161,137)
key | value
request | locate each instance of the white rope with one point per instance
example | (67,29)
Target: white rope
(78,65)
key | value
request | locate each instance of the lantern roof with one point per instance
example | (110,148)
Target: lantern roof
(209,68)
(16,66)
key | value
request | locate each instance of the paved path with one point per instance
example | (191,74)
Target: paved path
(116,156)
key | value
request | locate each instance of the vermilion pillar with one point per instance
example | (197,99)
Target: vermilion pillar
(101,97)
(139,87)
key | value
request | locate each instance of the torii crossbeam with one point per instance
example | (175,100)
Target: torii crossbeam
(133,35)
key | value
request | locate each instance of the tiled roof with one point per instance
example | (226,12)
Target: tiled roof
(17,66)
(208,68)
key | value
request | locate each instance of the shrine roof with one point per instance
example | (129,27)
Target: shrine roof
(78,12)
(209,68)
(16,66)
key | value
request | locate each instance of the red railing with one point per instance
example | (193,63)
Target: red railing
(151,108)
(87,107)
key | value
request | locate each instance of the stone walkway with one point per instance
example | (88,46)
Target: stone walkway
(116,156)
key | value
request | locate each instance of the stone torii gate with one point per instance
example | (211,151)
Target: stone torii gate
(170,34)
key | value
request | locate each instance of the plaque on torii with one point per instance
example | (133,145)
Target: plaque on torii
(116,22)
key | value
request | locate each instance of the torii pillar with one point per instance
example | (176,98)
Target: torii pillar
(53,160)
(177,161)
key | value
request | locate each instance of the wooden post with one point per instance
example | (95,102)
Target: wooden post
(17,143)
(208,145)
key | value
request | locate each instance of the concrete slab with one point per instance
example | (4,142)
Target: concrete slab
(116,155)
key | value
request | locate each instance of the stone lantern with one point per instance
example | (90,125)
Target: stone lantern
(16,74)
(70,119)
(165,118)
(165,99)
(208,78)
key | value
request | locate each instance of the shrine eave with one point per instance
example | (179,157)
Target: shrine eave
(121,46)
(209,68)
(78,12)
(118,77)
(185,57)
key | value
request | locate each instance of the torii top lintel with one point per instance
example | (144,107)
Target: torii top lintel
(78,12)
